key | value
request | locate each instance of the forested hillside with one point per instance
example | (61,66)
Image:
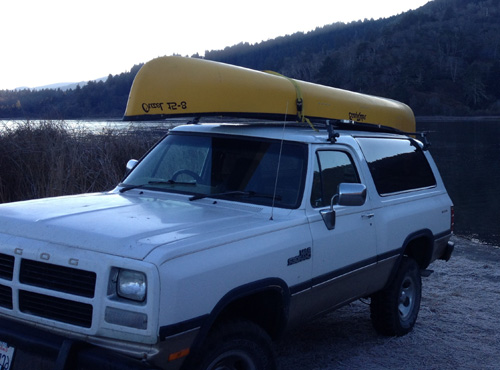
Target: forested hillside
(94,100)
(441,59)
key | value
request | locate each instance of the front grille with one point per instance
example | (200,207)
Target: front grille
(5,297)
(59,309)
(6,266)
(59,278)
(33,276)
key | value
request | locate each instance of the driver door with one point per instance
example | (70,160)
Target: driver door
(343,257)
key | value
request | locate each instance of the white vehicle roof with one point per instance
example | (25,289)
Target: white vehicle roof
(288,131)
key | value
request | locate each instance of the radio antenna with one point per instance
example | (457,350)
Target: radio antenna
(279,163)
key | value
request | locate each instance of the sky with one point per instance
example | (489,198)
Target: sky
(54,41)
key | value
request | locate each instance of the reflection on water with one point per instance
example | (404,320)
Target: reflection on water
(96,126)
(467,153)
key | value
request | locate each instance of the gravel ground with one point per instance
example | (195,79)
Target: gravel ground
(458,325)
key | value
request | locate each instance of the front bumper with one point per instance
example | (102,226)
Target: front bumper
(38,349)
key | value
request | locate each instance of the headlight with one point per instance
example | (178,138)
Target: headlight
(132,285)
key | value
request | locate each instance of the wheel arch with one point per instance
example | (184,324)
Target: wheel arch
(265,302)
(417,245)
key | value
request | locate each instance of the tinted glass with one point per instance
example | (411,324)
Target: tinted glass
(396,164)
(331,168)
(205,165)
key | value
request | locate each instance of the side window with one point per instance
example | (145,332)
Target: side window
(396,165)
(331,168)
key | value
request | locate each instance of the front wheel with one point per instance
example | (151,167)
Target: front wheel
(394,309)
(236,345)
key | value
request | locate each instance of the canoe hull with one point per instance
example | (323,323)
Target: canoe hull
(170,87)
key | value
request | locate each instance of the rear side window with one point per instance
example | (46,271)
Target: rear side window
(396,165)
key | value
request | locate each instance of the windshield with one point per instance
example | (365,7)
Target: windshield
(241,169)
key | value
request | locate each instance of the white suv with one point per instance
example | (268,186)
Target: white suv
(221,238)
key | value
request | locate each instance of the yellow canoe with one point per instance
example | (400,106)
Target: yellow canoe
(169,87)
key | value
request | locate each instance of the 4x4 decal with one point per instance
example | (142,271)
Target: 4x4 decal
(304,254)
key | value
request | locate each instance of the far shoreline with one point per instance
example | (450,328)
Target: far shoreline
(422,119)
(418,119)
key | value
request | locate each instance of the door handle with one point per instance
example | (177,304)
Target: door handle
(368,215)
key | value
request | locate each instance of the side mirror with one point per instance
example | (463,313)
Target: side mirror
(351,194)
(348,195)
(131,164)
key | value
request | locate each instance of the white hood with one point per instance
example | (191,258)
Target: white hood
(128,225)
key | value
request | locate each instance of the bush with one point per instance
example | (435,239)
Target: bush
(49,158)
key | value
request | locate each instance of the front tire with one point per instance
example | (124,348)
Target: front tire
(236,345)
(394,309)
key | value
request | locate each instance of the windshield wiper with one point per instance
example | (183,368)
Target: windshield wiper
(162,182)
(249,194)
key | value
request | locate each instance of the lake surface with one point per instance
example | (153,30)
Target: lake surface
(467,152)
(97,125)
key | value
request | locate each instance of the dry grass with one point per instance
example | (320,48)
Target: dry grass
(48,158)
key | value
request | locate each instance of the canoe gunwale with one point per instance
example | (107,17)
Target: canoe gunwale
(319,122)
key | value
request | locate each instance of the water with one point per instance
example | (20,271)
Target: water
(97,126)
(467,153)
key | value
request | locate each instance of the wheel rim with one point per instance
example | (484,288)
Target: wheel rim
(406,298)
(233,360)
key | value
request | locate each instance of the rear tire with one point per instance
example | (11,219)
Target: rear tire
(236,345)
(394,309)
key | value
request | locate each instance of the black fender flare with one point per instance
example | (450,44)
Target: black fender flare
(206,322)
(426,258)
